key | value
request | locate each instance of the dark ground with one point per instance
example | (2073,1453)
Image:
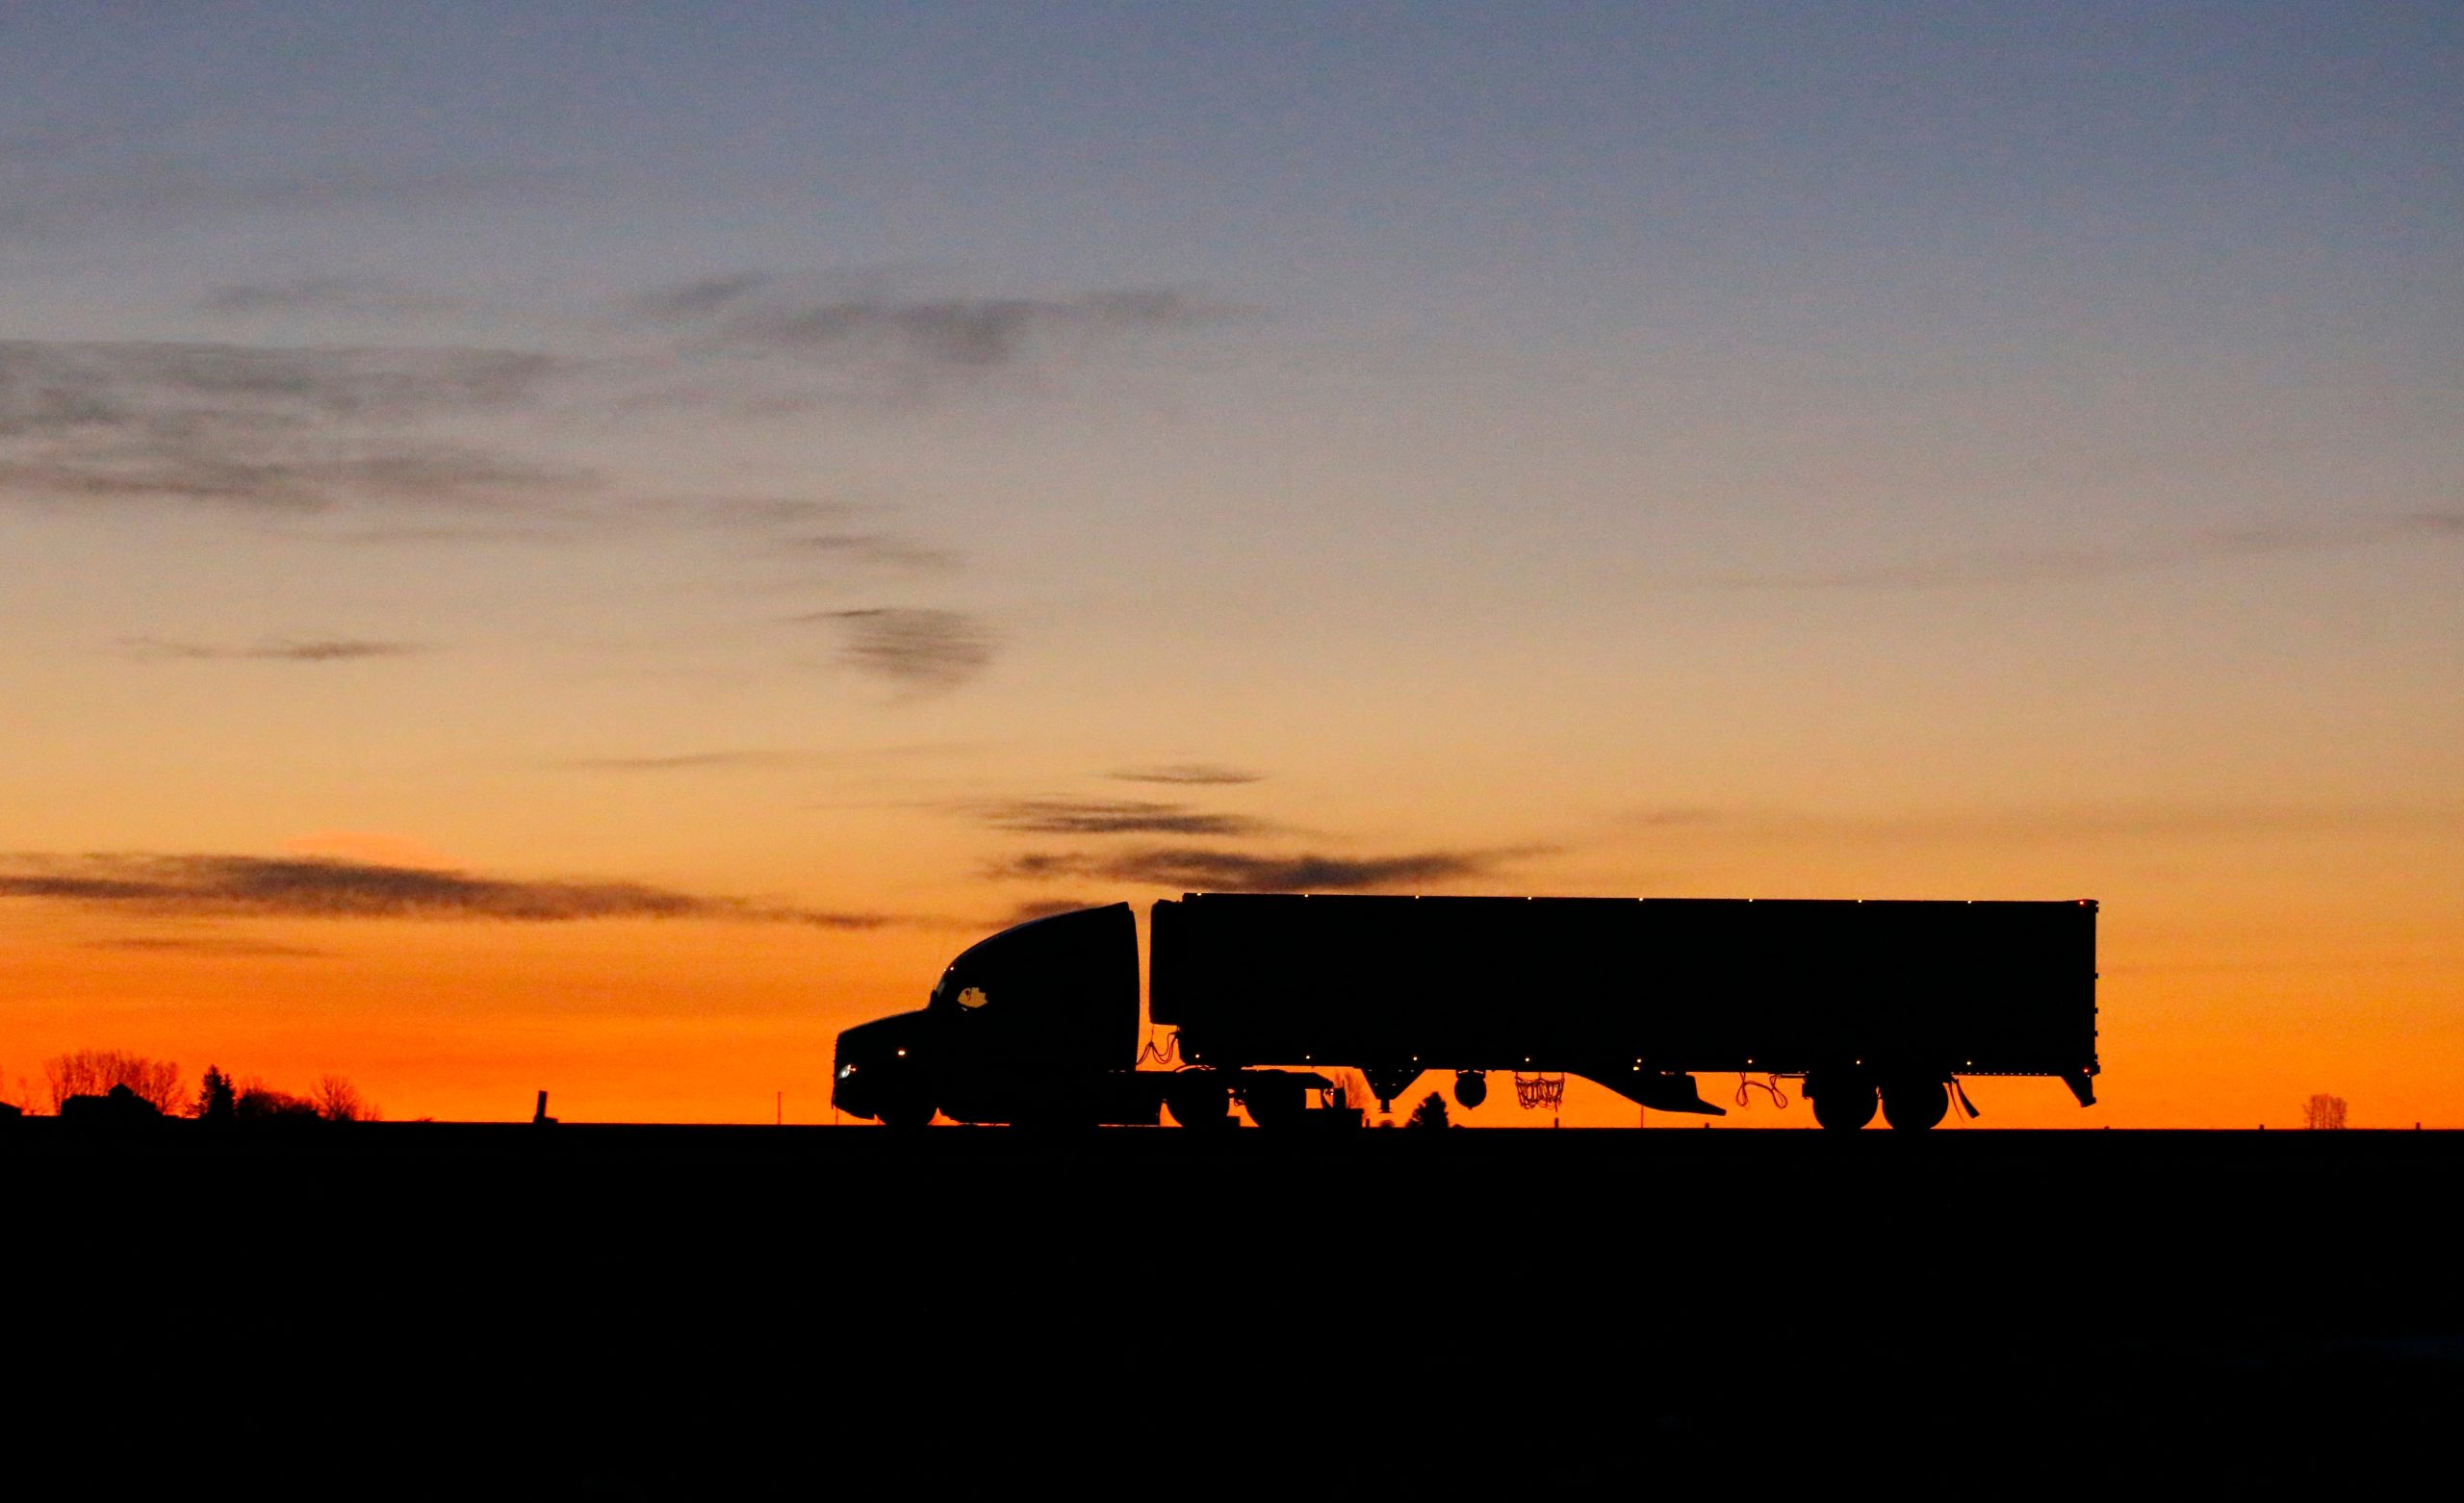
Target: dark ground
(612,1311)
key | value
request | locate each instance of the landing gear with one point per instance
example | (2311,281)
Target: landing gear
(1911,1106)
(1387,1081)
(1842,1101)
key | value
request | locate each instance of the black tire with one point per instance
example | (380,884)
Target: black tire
(1274,1104)
(906,1114)
(1915,1105)
(1841,1103)
(1200,1105)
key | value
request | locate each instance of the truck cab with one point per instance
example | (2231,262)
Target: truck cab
(1025,1026)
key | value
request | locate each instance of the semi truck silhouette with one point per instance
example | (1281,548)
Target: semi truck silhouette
(1872,1003)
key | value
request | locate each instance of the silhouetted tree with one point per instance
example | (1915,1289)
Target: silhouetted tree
(2324,1111)
(216,1099)
(337,1100)
(93,1071)
(259,1101)
(1430,1112)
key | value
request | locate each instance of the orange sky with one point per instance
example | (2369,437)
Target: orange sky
(523,568)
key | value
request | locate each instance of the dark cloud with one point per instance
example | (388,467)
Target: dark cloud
(706,296)
(208,468)
(322,295)
(1185,773)
(763,513)
(312,649)
(1197,869)
(915,648)
(208,946)
(2035,566)
(327,888)
(50,387)
(285,429)
(1043,909)
(1110,817)
(764,314)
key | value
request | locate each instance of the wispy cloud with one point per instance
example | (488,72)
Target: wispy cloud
(248,887)
(914,648)
(875,549)
(268,430)
(688,761)
(1194,773)
(704,295)
(1043,909)
(767,313)
(49,387)
(753,312)
(2034,566)
(841,533)
(281,650)
(1110,817)
(322,294)
(1200,869)
(208,946)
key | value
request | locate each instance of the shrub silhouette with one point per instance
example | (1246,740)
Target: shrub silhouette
(261,1103)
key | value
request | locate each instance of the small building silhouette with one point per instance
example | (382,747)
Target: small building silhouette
(120,1107)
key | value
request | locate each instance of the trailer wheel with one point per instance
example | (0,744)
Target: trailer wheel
(1274,1103)
(1200,1104)
(1913,1106)
(1841,1103)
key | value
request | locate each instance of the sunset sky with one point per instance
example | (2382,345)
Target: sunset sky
(593,547)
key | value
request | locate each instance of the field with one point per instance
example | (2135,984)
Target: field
(633,1311)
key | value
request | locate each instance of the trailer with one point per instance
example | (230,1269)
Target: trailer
(1872,1003)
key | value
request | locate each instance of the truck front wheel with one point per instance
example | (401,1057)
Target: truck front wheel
(1913,1106)
(905,1114)
(1199,1102)
(1841,1103)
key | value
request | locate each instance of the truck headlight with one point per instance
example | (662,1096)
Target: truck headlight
(846,1070)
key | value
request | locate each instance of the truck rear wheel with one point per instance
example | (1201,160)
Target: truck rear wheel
(1913,1106)
(1841,1103)
(1274,1103)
